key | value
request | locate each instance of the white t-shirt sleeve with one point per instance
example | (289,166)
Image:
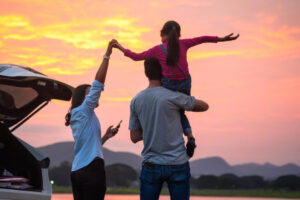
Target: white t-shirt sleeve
(183,101)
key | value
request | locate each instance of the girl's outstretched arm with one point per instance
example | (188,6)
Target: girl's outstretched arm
(199,40)
(228,38)
(135,56)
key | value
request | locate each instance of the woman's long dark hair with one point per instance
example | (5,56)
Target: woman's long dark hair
(77,99)
(172,30)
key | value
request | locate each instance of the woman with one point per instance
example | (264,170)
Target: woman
(88,172)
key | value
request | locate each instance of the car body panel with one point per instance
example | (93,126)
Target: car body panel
(45,194)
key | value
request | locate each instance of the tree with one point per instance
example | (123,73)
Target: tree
(61,174)
(289,182)
(252,182)
(120,175)
(228,181)
(207,182)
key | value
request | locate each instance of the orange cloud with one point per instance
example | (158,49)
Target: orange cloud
(268,19)
(13,21)
(61,103)
(60,71)
(68,35)
(118,99)
(87,63)
(104,98)
(263,42)
(19,37)
(178,3)
(42,60)
(283,41)
(48,115)
(93,36)
(199,55)
(266,37)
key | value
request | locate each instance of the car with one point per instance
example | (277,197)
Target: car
(23,168)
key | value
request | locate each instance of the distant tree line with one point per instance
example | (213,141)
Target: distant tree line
(60,175)
(117,175)
(120,175)
(231,181)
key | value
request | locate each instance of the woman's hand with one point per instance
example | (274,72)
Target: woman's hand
(118,46)
(111,44)
(228,38)
(102,71)
(110,132)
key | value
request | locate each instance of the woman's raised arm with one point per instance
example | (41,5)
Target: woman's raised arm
(101,73)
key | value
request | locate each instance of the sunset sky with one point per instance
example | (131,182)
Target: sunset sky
(252,84)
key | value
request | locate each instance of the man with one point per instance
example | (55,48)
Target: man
(155,119)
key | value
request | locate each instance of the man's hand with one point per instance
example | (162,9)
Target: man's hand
(228,37)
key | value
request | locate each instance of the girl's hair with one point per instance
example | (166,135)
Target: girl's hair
(77,99)
(172,30)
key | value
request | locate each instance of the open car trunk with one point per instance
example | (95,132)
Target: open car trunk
(20,160)
(22,90)
(24,169)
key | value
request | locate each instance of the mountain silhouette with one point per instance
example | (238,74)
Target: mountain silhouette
(63,151)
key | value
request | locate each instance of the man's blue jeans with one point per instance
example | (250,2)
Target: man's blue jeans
(177,177)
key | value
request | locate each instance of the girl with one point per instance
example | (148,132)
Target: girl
(172,57)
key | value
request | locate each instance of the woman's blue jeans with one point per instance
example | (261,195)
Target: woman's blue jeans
(177,177)
(183,86)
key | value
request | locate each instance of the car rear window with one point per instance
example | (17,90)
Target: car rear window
(12,97)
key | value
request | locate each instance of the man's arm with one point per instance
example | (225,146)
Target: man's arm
(136,131)
(136,135)
(200,106)
(187,102)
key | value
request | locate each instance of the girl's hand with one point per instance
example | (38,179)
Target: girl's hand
(118,46)
(228,37)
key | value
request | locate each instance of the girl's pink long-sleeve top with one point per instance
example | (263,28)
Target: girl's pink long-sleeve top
(156,52)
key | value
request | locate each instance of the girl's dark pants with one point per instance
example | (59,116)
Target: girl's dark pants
(89,183)
(183,86)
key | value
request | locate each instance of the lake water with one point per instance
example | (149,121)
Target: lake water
(136,197)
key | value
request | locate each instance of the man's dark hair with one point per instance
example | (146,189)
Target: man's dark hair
(153,69)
